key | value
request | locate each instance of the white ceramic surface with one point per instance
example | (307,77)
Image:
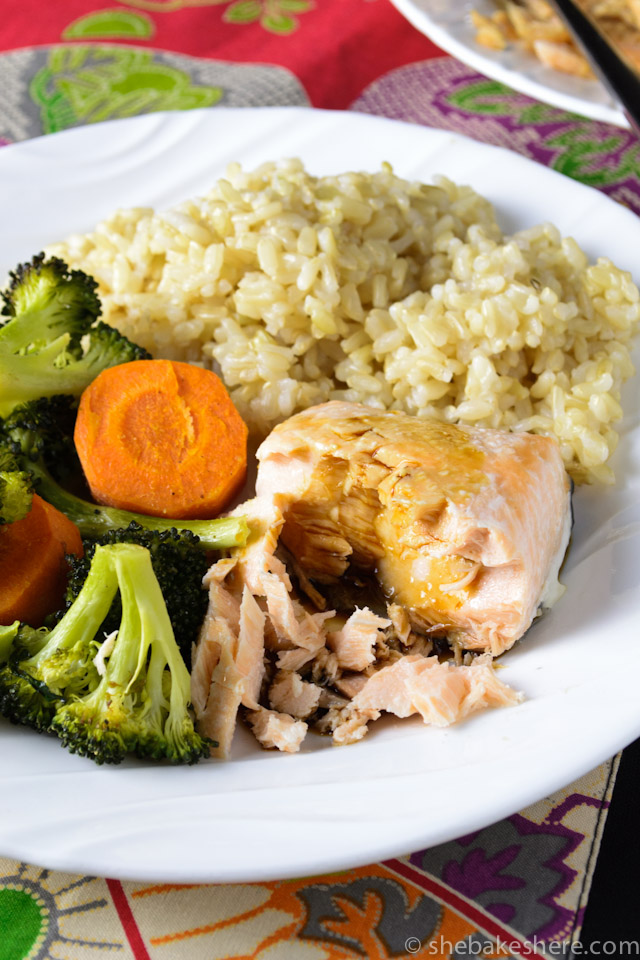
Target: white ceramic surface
(449,25)
(265,815)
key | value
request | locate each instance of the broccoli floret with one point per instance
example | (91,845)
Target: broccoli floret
(50,311)
(179,565)
(21,702)
(45,300)
(16,489)
(47,665)
(106,698)
(141,704)
(39,435)
(24,699)
(107,347)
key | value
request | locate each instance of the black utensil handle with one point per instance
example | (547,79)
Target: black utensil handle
(612,69)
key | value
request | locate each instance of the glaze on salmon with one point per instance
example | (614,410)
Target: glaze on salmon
(463,527)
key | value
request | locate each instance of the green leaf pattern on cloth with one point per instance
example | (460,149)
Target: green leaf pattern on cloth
(591,158)
(88,84)
(244,11)
(52,88)
(24,922)
(444,93)
(273,15)
(110,24)
(276,16)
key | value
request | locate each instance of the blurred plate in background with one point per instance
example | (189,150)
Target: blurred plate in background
(449,26)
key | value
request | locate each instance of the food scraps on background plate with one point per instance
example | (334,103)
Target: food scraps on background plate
(536,26)
(421,385)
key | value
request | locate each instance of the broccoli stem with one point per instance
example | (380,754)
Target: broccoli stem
(146,625)
(78,627)
(18,386)
(141,623)
(25,376)
(94,521)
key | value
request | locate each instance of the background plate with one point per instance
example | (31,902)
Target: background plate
(449,26)
(265,815)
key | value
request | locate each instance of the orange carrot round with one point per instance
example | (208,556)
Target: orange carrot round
(33,570)
(162,438)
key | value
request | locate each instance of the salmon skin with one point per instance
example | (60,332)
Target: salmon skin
(463,527)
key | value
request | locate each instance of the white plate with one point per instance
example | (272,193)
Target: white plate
(405,786)
(449,25)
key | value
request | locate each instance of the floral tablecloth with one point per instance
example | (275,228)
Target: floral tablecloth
(517,888)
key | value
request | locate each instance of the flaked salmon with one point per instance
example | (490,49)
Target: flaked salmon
(249,657)
(290,694)
(277,730)
(219,630)
(216,719)
(441,693)
(228,658)
(250,597)
(355,645)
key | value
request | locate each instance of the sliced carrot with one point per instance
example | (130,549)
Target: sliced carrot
(33,570)
(162,438)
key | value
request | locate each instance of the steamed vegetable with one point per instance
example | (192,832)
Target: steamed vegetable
(38,434)
(179,564)
(33,568)
(105,697)
(50,342)
(107,674)
(163,438)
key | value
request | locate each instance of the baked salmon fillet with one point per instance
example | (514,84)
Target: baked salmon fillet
(465,528)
